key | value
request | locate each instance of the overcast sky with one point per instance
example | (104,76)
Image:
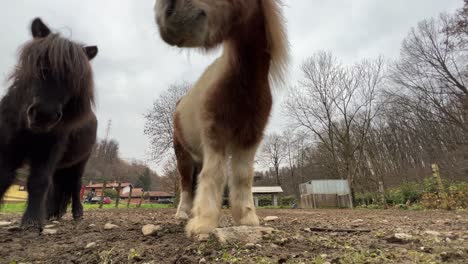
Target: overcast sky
(134,65)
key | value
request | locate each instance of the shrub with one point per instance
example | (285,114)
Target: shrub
(287,200)
(111,193)
(265,200)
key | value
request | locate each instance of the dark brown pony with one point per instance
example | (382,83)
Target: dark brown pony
(222,118)
(47,122)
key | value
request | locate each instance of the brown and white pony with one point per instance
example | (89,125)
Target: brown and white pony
(223,117)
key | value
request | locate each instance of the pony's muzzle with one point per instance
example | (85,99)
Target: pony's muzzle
(42,118)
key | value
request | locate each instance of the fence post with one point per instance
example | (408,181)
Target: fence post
(350,195)
(117,200)
(382,194)
(141,199)
(102,195)
(129,197)
(440,186)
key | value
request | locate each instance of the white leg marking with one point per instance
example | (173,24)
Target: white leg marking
(240,187)
(185,205)
(208,196)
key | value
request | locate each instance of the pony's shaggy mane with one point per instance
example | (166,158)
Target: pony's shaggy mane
(277,41)
(62,58)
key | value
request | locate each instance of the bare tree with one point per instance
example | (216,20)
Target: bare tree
(432,70)
(273,154)
(159,121)
(170,179)
(337,104)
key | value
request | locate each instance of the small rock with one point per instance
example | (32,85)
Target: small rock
(258,245)
(250,245)
(203,260)
(357,221)
(92,225)
(400,238)
(324,256)
(243,234)
(90,245)
(307,229)
(47,231)
(55,222)
(49,226)
(149,230)
(274,246)
(5,223)
(110,226)
(327,262)
(203,237)
(432,233)
(270,218)
(298,238)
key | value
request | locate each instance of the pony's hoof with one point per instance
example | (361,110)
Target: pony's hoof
(200,227)
(249,220)
(181,215)
(33,227)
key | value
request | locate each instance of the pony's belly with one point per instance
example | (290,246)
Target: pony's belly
(190,132)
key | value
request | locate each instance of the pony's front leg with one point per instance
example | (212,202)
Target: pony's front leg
(207,203)
(240,187)
(42,165)
(38,185)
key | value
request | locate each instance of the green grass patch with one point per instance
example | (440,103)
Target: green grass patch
(12,208)
(20,207)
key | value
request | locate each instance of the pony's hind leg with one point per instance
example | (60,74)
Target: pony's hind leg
(188,173)
(66,188)
(240,187)
(76,173)
(209,192)
(55,198)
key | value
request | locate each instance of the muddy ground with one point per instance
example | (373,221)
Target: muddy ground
(422,237)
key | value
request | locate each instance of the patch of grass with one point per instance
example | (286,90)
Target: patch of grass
(106,256)
(230,258)
(123,206)
(12,208)
(20,207)
(263,260)
(275,207)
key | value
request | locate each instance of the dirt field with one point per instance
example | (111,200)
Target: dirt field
(428,237)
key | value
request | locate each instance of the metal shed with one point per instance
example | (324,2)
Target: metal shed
(262,190)
(325,193)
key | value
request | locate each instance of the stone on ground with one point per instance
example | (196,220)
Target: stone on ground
(48,231)
(270,218)
(242,234)
(90,245)
(110,226)
(5,223)
(149,230)
(49,226)
(401,238)
(432,233)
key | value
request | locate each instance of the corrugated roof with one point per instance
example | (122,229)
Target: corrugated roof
(267,189)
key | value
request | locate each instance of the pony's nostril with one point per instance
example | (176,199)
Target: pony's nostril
(170,8)
(31,110)
(59,115)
